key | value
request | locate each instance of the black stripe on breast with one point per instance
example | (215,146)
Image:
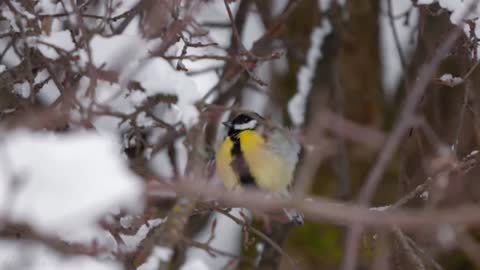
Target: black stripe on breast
(239,164)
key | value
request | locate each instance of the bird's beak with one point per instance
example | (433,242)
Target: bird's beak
(227,124)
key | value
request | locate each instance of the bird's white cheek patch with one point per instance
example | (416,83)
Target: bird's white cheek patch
(250,125)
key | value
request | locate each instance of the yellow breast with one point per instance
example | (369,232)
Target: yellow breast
(270,171)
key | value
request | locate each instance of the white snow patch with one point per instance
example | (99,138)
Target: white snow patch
(196,264)
(227,238)
(20,9)
(46,7)
(22,89)
(16,255)
(10,59)
(63,184)
(122,6)
(325,4)
(254,29)
(158,77)
(450,79)
(61,39)
(160,164)
(458,8)
(424,196)
(10,17)
(380,208)
(159,254)
(116,52)
(473,153)
(132,241)
(255,100)
(49,91)
(278,6)
(425,2)
(296,106)
(461,10)
(128,55)
(392,70)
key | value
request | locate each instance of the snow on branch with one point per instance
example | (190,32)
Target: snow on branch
(64,184)
(297,105)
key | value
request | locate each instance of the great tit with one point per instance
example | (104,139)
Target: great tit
(256,152)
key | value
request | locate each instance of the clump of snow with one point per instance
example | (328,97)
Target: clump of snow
(122,6)
(132,241)
(128,55)
(380,208)
(425,2)
(161,164)
(46,6)
(22,89)
(116,52)
(158,77)
(159,254)
(62,40)
(63,184)
(424,196)
(473,153)
(49,91)
(227,236)
(16,255)
(196,264)
(12,18)
(296,106)
(461,10)
(450,80)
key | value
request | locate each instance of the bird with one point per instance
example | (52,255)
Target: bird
(258,153)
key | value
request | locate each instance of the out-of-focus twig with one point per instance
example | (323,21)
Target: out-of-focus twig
(409,252)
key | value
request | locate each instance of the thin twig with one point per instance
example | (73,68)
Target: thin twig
(423,253)
(458,131)
(413,257)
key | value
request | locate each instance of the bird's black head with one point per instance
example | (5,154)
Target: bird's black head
(242,121)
